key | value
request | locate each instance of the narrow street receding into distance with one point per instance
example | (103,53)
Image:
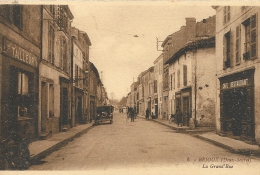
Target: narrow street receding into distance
(139,144)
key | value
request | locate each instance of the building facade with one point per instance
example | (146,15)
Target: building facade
(237,66)
(172,46)
(20,48)
(54,70)
(192,86)
(158,82)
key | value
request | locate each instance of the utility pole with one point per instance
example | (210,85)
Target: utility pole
(157,44)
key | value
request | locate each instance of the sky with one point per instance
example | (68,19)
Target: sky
(111,26)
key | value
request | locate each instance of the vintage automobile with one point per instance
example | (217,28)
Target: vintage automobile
(104,114)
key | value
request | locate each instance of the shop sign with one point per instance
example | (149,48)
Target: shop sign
(15,51)
(234,84)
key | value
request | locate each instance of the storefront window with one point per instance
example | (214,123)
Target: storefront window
(23,83)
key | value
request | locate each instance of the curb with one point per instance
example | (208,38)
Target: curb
(43,154)
(247,152)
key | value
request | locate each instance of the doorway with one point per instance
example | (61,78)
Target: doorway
(64,106)
(186,111)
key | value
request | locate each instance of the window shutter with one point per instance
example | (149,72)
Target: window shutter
(253,36)
(238,44)
(178,77)
(224,50)
(231,41)
(174,80)
(184,75)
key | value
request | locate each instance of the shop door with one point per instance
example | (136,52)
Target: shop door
(64,106)
(79,110)
(186,111)
(235,109)
(44,108)
(92,111)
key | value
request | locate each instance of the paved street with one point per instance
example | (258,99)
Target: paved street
(140,144)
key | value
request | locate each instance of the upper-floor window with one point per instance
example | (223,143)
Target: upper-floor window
(63,54)
(226,14)
(13,14)
(51,36)
(155,86)
(250,49)
(226,50)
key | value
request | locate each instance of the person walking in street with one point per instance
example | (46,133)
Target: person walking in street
(132,114)
(178,117)
(147,114)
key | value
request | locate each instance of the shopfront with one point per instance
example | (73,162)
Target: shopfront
(237,105)
(19,88)
(79,106)
(183,103)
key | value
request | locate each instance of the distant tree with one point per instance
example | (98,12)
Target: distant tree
(122,102)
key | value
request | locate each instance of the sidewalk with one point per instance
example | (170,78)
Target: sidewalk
(41,148)
(209,134)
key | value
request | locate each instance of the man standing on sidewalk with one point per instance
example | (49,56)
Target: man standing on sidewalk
(179,117)
(147,114)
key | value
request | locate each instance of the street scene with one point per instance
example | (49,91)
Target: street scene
(133,87)
(139,144)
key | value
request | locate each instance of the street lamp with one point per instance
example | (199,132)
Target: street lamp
(76,79)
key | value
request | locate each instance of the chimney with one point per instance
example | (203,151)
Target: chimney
(190,30)
(190,21)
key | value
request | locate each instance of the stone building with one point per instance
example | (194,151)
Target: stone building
(172,45)
(158,81)
(20,53)
(79,76)
(54,70)
(237,65)
(192,86)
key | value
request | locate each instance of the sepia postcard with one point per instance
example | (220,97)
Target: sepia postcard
(129,87)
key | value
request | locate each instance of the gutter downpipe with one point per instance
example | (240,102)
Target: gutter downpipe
(195,78)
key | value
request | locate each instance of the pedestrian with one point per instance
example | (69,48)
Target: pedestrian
(132,114)
(147,114)
(178,117)
(153,113)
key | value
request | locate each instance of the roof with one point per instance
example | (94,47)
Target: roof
(195,44)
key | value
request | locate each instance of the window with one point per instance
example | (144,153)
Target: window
(17,16)
(184,75)
(23,83)
(21,91)
(226,14)
(51,44)
(250,38)
(13,14)
(226,50)
(155,86)
(63,54)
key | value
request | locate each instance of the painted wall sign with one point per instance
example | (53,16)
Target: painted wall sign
(15,51)
(233,84)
